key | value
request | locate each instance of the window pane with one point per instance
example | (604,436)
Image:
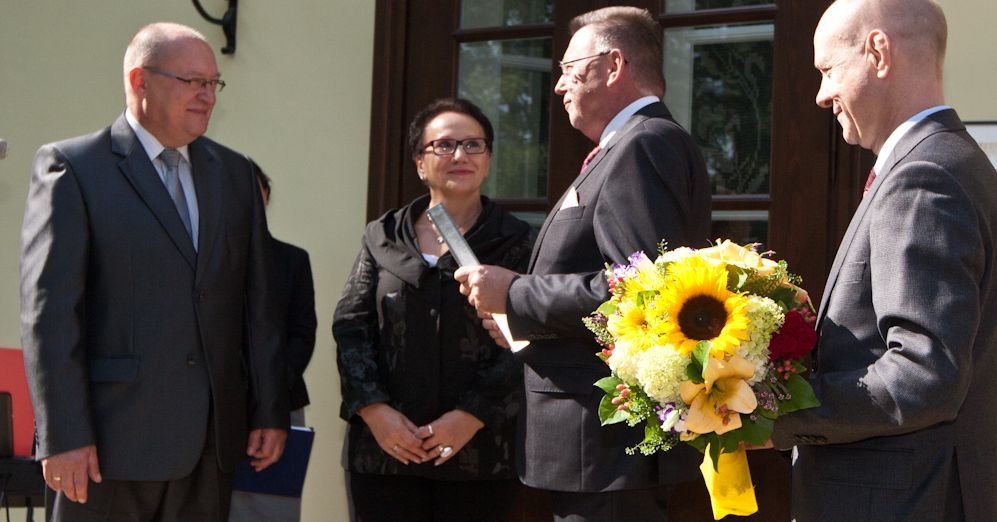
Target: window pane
(683,6)
(720,88)
(497,13)
(741,226)
(511,81)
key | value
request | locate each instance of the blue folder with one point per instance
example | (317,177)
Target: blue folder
(286,477)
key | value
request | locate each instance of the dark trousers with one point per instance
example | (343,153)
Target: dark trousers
(388,498)
(203,495)
(610,506)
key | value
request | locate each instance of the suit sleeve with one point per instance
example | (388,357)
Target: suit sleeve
(55,242)
(645,199)
(266,358)
(926,264)
(301,321)
(355,328)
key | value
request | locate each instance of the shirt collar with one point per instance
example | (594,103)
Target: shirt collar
(622,117)
(900,132)
(149,142)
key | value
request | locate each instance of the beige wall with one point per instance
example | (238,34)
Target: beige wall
(971,61)
(298,101)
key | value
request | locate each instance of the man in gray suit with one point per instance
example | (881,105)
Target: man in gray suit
(644,182)
(906,363)
(149,344)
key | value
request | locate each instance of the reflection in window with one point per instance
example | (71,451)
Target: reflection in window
(682,6)
(720,88)
(511,81)
(741,226)
(498,13)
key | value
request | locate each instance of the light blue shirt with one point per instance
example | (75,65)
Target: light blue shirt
(622,117)
(900,132)
(153,148)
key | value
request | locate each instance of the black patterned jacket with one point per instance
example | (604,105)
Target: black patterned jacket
(406,336)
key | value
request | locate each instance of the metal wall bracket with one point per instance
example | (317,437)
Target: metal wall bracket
(227,21)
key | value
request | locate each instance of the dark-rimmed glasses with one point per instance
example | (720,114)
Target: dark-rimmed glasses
(202,83)
(565,71)
(449,147)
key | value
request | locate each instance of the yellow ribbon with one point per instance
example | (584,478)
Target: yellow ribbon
(731,492)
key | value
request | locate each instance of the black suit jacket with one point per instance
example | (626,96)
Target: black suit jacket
(648,184)
(132,340)
(294,303)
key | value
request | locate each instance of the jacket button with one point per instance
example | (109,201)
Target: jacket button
(433,313)
(191,360)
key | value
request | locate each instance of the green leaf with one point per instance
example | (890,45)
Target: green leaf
(801,395)
(757,431)
(784,296)
(695,372)
(609,384)
(736,277)
(715,448)
(608,308)
(608,413)
(699,443)
(701,354)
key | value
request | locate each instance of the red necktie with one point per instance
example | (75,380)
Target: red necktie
(595,152)
(868,181)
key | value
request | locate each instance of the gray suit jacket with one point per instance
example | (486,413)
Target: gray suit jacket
(906,364)
(649,183)
(131,338)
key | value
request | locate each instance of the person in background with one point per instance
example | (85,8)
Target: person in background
(907,352)
(429,398)
(644,182)
(294,303)
(151,352)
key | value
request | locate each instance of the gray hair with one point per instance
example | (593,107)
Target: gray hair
(635,32)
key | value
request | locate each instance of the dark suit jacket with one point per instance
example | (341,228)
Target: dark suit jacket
(132,341)
(294,303)
(648,184)
(907,357)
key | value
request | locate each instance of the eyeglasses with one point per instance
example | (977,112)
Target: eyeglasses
(201,83)
(449,147)
(566,70)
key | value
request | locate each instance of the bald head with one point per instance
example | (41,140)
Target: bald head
(153,43)
(917,28)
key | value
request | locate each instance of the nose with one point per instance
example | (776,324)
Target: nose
(459,150)
(560,88)
(824,99)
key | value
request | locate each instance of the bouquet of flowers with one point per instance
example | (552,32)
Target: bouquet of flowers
(705,348)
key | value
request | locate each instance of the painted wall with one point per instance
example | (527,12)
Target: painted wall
(298,101)
(971,60)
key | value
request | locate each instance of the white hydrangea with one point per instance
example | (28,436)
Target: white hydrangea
(765,317)
(660,371)
(624,360)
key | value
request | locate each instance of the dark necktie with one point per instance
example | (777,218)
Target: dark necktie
(171,177)
(868,181)
(588,159)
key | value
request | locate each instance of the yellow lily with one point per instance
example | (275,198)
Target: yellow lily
(716,404)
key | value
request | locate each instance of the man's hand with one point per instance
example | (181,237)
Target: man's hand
(767,445)
(68,472)
(493,329)
(486,286)
(265,446)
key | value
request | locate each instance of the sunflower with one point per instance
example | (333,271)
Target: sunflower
(701,308)
(637,325)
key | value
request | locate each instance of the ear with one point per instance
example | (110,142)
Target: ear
(419,168)
(136,79)
(879,53)
(616,63)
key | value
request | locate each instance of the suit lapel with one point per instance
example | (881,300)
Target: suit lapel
(945,120)
(654,110)
(138,169)
(207,174)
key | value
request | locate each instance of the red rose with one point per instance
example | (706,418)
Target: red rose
(794,340)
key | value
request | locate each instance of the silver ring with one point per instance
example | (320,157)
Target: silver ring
(446,451)
(57,478)
(430,426)
(395,449)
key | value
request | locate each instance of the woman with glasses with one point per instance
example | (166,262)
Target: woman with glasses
(430,399)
